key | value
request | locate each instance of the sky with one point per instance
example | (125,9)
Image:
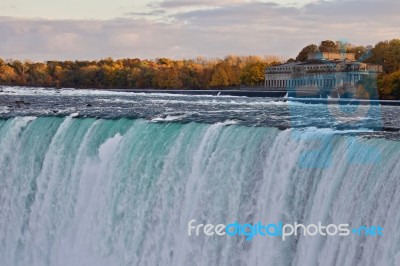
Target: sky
(93,29)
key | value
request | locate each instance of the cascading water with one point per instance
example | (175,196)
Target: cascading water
(77,191)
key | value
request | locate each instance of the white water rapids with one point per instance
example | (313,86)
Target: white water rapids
(121,192)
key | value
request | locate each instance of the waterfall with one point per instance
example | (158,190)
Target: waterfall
(121,192)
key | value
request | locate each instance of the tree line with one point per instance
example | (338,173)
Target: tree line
(161,73)
(199,73)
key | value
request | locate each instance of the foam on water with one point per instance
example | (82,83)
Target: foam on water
(121,192)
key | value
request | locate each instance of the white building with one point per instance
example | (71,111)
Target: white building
(320,73)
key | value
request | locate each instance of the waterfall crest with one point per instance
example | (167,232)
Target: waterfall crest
(121,192)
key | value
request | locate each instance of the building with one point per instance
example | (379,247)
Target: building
(321,74)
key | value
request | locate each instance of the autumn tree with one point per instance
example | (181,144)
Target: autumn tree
(387,54)
(328,46)
(190,74)
(37,74)
(8,74)
(219,77)
(199,73)
(167,78)
(389,84)
(88,76)
(303,55)
(253,74)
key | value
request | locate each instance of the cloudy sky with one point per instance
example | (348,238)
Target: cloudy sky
(94,29)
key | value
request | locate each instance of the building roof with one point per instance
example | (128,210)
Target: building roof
(332,56)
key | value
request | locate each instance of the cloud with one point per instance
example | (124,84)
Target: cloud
(241,28)
(157,12)
(199,3)
(40,39)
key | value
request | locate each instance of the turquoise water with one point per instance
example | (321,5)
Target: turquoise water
(85,191)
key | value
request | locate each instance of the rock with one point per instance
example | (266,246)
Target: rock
(21,102)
